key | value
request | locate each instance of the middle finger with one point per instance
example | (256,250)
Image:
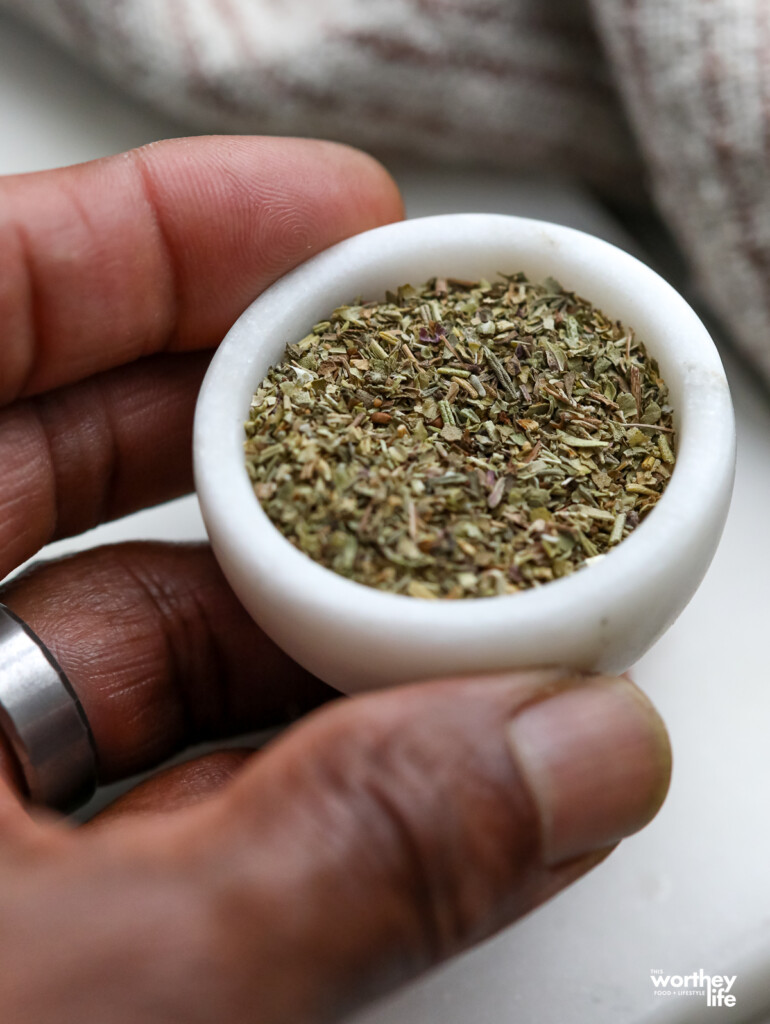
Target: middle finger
(97,450)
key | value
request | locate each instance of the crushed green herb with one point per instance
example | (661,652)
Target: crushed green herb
(461,439)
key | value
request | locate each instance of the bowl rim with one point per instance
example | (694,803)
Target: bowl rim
(661,545)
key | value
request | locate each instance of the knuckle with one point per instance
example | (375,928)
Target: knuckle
(431,815)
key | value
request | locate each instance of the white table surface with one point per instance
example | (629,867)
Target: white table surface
(693,890)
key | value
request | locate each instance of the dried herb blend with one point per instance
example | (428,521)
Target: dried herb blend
(461,439)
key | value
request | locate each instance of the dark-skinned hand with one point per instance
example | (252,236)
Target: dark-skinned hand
(378,835)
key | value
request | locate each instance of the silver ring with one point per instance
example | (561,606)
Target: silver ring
(43,720)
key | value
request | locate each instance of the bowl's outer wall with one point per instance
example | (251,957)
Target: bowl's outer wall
(602,618)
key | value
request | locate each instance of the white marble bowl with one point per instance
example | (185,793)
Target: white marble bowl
(601,618)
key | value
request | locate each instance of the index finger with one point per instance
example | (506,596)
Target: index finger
(161,248)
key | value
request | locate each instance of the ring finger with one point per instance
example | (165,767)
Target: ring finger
(159,651)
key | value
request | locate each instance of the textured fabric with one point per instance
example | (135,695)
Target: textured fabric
(518,83)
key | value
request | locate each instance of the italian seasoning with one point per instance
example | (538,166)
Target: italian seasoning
(461,439)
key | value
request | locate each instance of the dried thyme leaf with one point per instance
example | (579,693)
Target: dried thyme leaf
(461,439)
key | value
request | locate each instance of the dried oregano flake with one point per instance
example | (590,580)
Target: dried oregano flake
(461,439)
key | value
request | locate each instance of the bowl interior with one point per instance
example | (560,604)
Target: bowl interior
(366,266)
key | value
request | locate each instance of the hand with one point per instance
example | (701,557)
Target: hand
(377,837)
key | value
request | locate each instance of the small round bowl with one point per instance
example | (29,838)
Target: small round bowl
(602,617)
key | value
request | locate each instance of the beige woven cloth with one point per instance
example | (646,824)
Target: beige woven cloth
(677,91)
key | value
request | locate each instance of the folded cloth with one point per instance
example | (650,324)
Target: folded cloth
(676,92)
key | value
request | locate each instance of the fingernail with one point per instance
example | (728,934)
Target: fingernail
(597,761)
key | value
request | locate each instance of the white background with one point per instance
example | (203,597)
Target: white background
(691,892)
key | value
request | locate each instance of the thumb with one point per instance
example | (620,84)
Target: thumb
(388,832)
